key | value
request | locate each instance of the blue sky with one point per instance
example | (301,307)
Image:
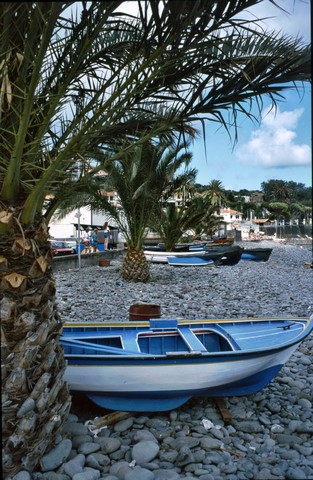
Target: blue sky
(278,148)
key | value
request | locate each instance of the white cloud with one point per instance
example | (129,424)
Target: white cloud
(294,19)
(274,143)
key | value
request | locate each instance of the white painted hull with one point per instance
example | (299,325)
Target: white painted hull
(161,257)
(168,377)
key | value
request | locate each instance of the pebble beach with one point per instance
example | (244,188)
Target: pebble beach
(269,435)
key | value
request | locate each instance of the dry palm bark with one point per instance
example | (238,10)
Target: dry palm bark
(135,266)
(35,399)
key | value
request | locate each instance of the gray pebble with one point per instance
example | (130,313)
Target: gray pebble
(88,447)
(139,474)
(75,465)
(108,445)
(23,475)
(145,451)
(124,425)
(166,475)
(296,473)
(87,474)
(56,456)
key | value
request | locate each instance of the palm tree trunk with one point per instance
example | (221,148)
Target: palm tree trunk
(135,266)
(35,399)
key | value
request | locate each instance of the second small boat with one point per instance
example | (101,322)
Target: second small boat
(189,262)
(256,254)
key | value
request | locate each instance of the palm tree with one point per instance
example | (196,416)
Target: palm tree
(77,80)
(210,223)
(143,178)
(183,186)
(296,211)
(172,222)
(216,194)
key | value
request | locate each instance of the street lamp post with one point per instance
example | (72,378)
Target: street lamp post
(78,237)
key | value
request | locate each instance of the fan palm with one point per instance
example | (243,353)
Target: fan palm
(74,86)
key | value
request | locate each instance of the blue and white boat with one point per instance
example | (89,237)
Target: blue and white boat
(161,256)
(160,364)
(189,262)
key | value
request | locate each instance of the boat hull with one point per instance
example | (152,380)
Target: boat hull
(161,364)
(162,256)
(256,254)
(220,255)
(165,385)
(189,262)
(228,255)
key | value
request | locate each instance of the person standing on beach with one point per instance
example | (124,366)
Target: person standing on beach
(86,241)
(94,240)
(106,231)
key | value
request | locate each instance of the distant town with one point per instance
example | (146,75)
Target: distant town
(279,208)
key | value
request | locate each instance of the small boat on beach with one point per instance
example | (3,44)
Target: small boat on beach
(189,262)
(179,247)
(256,254)
(160,364)
(161,256)
(229,255)
(221,255)
(220,241)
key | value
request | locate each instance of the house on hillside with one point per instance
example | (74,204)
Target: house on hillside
(257,197)
(231,217)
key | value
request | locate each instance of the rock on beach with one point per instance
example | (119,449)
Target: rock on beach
(269,436)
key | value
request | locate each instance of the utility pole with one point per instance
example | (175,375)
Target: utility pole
(78,237)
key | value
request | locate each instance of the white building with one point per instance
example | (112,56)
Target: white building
(68,226)
(232,218)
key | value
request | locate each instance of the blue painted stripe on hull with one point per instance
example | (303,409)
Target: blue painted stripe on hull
(163,401)
(254,258)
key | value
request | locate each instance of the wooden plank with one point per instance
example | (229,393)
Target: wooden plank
(111,419)
(224,411)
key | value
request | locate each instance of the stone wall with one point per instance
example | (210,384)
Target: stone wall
(68,262)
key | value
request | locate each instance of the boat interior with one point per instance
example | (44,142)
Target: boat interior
(164,337)
(168,337)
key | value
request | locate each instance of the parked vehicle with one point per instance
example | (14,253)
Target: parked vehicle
(70,241)
(61,248)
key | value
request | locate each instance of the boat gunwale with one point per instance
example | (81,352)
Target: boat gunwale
(307,323)
(184,358)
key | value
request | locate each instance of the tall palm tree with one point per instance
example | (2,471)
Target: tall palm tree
(77,79)
(185,187)
(216,194)
(143,178)
(211,221)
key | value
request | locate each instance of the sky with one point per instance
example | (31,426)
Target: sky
(280,147)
